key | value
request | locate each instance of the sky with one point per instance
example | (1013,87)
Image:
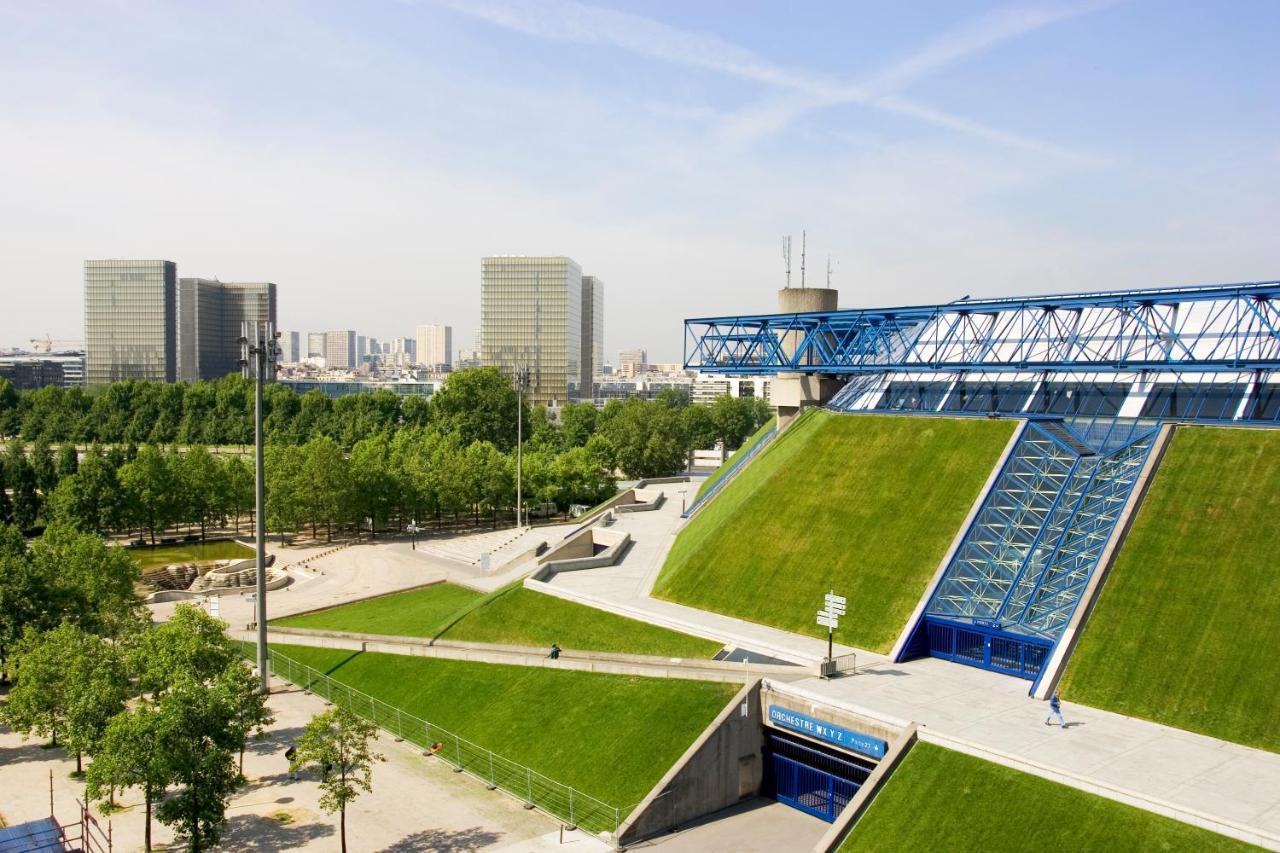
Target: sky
(365,155)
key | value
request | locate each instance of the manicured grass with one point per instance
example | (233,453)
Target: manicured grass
(515,616)
(191,552)
(1185,631)
(943,800)
(527,618)
(610,736)
(865,505)
(751,442)
(420,612)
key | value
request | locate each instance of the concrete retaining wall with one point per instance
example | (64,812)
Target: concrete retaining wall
(724,765)
(584,544)
(646,500)
(689,669)
(797,699)
(897,751)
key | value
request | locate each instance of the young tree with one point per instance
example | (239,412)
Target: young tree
(68,460)
(337,743)
(6,508)
(238,480)
(371,482)
(249,712)
(10,412)
(90,583)
(199,743)
(151,487)
(578,423)
(25,599)
(131,754)
(42,465)
(199,478)
(191,644)
(69,682)
(325,483)
(21,479)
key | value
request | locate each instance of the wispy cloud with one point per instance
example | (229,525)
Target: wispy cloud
(566,20)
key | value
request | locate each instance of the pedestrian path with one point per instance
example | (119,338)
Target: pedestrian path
(1189,776)
(624,589)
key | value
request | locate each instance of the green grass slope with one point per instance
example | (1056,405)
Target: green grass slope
(514,615)
(865,505)
(417,612)
(610,736)
(755,438)
(1185,631)
(943,800)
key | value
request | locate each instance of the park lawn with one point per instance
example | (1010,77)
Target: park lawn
(1185,630)
(514,616)
(755,438)
(420,612)
(151,557)
(865,505)
(524,617)
(938,799)
(610,736)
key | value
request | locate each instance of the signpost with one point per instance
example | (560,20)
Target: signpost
(834,606)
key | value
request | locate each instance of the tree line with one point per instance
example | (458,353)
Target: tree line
(455,456)
(167,709)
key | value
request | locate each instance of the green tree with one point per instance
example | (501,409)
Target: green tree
(578,422)
(371,481)
(648,437)
(6,507)
(699,426)
(91,498)
(238,482)
(39,702)
(151,489)
(10,412)
(733,420)
(325,483)
(21,479)
(337,744)
(132,754)
(26,600)
(286,501)
(68,460)
(250,715)
(199,745)
(478,404)
(190,644)
(96,688)
(88,582)
(199,479)
(43,466)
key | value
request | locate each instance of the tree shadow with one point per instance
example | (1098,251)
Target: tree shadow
(249,833)
(445,841)
(274,741)
(33,750)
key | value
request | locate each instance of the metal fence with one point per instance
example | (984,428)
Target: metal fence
(535,790)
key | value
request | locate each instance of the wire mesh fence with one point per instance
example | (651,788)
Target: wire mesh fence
(547,795)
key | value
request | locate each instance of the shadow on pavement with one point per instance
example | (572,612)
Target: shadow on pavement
(445,841)
(247,833)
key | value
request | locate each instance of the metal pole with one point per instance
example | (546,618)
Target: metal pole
(830,634)
(262,345)
(519,441)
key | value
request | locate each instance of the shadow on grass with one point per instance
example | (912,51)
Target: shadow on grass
(445,841)
(249,833)
(340,664)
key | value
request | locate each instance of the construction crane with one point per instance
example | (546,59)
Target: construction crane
(48,344)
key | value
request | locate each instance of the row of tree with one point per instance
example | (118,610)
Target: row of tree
(473,405)
(165,708)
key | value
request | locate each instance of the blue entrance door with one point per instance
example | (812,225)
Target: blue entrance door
(816,781)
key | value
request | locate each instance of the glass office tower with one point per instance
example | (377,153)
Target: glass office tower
(531,316)
(592,329)
(130,314)
(210,314)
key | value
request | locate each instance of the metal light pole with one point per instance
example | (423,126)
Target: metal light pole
(259,350)
(522,374)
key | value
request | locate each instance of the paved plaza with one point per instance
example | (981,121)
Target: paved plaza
(417,803)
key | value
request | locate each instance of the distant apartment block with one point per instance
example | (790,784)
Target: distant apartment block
(130,320)
(210,316)
(290,351)
(434,346)
(29,371)
(531,317)
(633,362)
(340,349)
(315,345)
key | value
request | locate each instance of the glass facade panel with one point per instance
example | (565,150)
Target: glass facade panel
(1083,399)
(130,320)
(914,396)
(1193,400)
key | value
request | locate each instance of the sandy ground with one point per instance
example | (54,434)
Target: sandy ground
(417,804)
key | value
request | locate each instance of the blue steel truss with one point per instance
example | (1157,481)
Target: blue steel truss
(1211,327)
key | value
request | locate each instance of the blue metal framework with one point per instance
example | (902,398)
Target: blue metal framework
(1212,327)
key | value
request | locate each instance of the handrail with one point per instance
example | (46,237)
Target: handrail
(525,784)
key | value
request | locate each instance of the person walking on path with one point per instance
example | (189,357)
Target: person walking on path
(1055,710)
(555,652)
(290,754)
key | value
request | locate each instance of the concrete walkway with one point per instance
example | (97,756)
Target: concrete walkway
(624,589)
(1198,779)
(416,804)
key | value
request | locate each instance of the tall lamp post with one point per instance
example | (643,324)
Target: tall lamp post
(522,380)
(258,355)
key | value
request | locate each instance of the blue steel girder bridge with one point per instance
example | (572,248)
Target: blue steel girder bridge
(1094,376)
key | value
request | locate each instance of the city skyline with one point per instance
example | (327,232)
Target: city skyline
(933,151)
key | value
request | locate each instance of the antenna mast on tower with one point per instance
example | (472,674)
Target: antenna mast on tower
(786,257)
(802,251)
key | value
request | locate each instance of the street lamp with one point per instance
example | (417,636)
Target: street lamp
(413,531)
(522,382)
(258,355)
